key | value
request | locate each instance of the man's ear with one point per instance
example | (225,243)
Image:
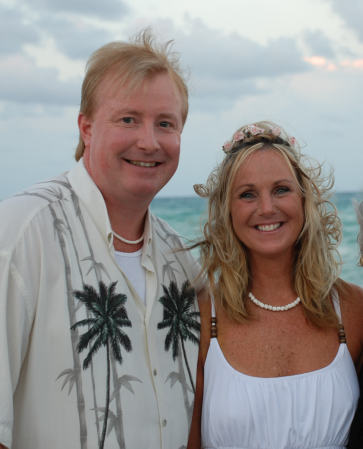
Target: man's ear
(85,128)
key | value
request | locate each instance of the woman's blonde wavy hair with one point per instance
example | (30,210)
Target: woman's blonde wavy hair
(224,257)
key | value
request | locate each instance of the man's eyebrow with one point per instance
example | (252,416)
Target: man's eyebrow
(126,110)
(123,110)
(168,115)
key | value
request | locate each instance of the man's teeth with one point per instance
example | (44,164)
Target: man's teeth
(270,227)
(143,164)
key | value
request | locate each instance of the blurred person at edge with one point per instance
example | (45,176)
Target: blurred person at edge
(91,284)
(356,433)
(281,334)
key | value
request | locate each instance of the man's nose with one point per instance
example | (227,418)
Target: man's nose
(147,138)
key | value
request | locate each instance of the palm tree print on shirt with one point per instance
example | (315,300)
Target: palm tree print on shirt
(180,320)
(108,316)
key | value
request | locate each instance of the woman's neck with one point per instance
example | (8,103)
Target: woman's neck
(272,279)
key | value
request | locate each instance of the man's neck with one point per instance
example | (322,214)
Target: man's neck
(128,221)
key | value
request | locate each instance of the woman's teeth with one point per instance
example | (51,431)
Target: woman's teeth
(269,227)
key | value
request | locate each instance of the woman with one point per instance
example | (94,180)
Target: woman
(282,336)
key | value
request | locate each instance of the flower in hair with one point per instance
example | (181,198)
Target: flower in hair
(238,135)
(227,146)
(254,130)
(249,132)
(276,131)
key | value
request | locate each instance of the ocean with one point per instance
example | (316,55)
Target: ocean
(187,215)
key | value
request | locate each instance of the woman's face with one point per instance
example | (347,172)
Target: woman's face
(266,205)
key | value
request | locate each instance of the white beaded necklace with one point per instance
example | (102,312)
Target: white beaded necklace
(130,242)
(273,308)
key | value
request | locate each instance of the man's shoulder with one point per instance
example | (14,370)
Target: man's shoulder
(38,194)
(171,242)
(162,229)
(18,211)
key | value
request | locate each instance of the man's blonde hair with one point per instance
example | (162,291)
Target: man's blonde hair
(130,63)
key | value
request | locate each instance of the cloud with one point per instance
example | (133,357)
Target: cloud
(233,56)
(22,82)
(318,43)
(70,24)
(74,36)
(233,80)
(351,12)
(321,63)
(105,9)
(353,63)
(15,31)
(37,142)
(325,64)
(224,67)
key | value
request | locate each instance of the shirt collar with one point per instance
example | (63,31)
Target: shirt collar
(93,201)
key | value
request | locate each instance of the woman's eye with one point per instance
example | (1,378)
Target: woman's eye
(282,189)
(247,195)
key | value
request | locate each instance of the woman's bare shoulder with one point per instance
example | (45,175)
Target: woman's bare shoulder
(351,294)
(204,303)
(351,300)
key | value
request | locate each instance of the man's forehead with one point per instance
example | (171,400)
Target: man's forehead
(114,82)
(122,93)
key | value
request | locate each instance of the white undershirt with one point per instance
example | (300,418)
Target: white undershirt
(130,264)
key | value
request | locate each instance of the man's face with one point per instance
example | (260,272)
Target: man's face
(132,141)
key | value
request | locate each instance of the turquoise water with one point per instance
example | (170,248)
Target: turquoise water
(187,215)
(349,249)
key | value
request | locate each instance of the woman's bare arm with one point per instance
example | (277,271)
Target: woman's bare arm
(195,429)
(352,315)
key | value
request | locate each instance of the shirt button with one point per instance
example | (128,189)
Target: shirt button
(164,422)
(155,372)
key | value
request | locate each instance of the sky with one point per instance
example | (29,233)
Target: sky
(298,63)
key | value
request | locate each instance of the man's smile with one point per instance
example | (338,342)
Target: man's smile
(142,163)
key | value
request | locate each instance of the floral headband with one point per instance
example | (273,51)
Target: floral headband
(250,134)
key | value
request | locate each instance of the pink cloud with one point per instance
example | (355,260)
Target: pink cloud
(323,63)
(354,64)
(317,61)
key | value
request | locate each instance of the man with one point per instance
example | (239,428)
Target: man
(98,327)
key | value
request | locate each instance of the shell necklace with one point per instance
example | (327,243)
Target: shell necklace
(273,308)
(130,242)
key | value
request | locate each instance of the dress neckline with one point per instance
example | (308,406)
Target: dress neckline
(341,351)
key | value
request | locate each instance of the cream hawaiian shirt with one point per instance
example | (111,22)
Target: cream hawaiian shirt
(84,363)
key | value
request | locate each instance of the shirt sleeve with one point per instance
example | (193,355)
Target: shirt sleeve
(17,303)
(194,269)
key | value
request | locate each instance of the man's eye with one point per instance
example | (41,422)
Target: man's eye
(127,119)
(165,124)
